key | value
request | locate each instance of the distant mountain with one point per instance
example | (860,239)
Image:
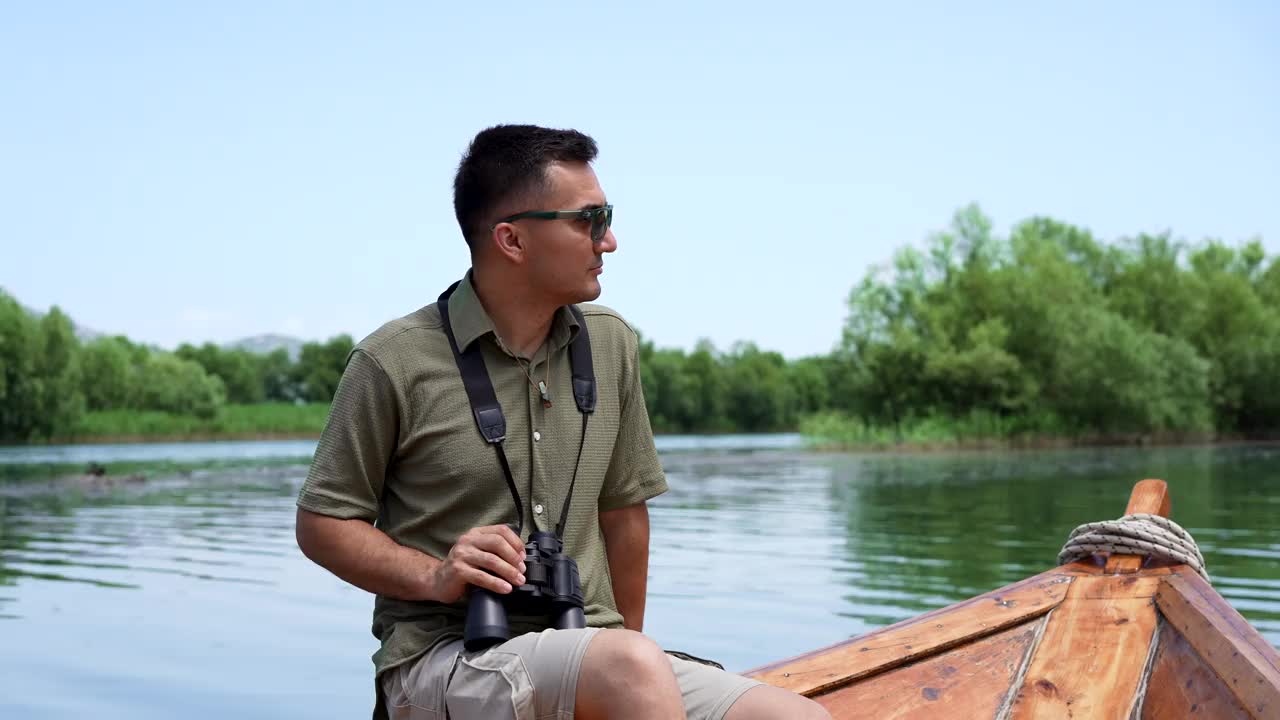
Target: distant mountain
(269,343)
(84,334)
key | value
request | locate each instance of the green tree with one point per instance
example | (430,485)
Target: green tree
(170,384)
(1239,334)
(1053,328)
(758,396)
(1150,287)
(1114,377)
(668,395)
(107,373)
(810,391)
(1269,286)
(275,369)
(60,401)
(320,366)
(704,380)
(981,374)
(19,392)
(240,371)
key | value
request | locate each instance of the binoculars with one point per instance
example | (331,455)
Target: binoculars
(551,589)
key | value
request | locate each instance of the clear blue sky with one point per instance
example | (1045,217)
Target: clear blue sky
(190,172)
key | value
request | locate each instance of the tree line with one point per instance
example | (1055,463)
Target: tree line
(49,379)
(1052,331)
(1047,331)
(745,389)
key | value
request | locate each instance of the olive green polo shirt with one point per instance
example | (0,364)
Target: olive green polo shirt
(401,449)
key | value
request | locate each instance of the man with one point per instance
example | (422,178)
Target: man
(407,500)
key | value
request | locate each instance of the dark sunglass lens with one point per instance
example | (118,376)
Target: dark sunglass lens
(598,224)
(601,219)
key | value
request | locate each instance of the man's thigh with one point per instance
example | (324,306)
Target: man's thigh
(531,677)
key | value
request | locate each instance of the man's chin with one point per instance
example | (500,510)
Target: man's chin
(590,293)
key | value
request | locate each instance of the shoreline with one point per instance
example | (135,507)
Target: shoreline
(144,438)
(1044,442)
(1053,442)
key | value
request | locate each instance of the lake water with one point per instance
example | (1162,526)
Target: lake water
(186,594)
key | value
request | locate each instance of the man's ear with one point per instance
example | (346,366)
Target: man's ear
(507,240)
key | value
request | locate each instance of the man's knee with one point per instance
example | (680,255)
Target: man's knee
(626,675)
(625,653)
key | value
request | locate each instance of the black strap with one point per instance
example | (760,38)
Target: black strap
(488,412)
(484,402)
(584,394)
(475,378)
(581,367)
(564,509)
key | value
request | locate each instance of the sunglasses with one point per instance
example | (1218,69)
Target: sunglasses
(600,218)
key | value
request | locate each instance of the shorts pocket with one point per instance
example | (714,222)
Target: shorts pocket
(415,691)
(493,685)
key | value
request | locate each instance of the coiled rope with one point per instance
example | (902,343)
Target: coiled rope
(1142,534)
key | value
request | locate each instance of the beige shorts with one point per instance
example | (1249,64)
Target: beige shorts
(530,677)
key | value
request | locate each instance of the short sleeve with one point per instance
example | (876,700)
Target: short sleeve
(357,444)
(635,473)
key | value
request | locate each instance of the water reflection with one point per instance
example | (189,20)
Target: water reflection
(202,526)
(143,592)
(969,523)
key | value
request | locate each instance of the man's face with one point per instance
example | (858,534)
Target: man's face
(562,261)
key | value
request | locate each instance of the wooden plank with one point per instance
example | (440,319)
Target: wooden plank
(1148,496)
(1093,652)
(1181,685)
(969,681)
(1243,659)
(1117,587)
(1097,566)
(919,637)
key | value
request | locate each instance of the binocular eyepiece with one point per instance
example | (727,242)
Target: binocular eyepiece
(551,588)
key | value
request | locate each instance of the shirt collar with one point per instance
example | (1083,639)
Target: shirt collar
(471,322)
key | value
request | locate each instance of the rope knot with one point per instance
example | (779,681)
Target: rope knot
(1151,536)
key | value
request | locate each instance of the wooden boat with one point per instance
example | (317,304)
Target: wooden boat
(1110,638)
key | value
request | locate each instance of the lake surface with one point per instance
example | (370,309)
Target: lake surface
(185,594)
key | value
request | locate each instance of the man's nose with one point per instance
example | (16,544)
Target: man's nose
(608,243)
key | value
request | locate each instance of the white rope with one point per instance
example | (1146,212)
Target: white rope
(1139,534)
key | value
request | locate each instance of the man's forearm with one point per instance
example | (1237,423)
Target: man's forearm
(365,556)
(626,537)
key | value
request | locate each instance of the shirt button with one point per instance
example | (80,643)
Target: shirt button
(537,436)
(537,509)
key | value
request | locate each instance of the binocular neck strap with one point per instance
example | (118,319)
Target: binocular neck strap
(564,509)
(488,412)
(484,402)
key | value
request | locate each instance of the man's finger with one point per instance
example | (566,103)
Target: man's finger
(494,544)
(482,579)
(505,532)
(497,566)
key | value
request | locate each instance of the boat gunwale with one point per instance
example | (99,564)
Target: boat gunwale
(798,673)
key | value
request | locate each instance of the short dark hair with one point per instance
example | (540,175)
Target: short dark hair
(506,162)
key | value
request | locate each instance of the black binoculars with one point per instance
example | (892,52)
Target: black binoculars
(551,589)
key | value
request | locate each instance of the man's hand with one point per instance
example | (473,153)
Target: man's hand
(356,551)
(491,557)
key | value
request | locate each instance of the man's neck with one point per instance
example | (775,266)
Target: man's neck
(520,316)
